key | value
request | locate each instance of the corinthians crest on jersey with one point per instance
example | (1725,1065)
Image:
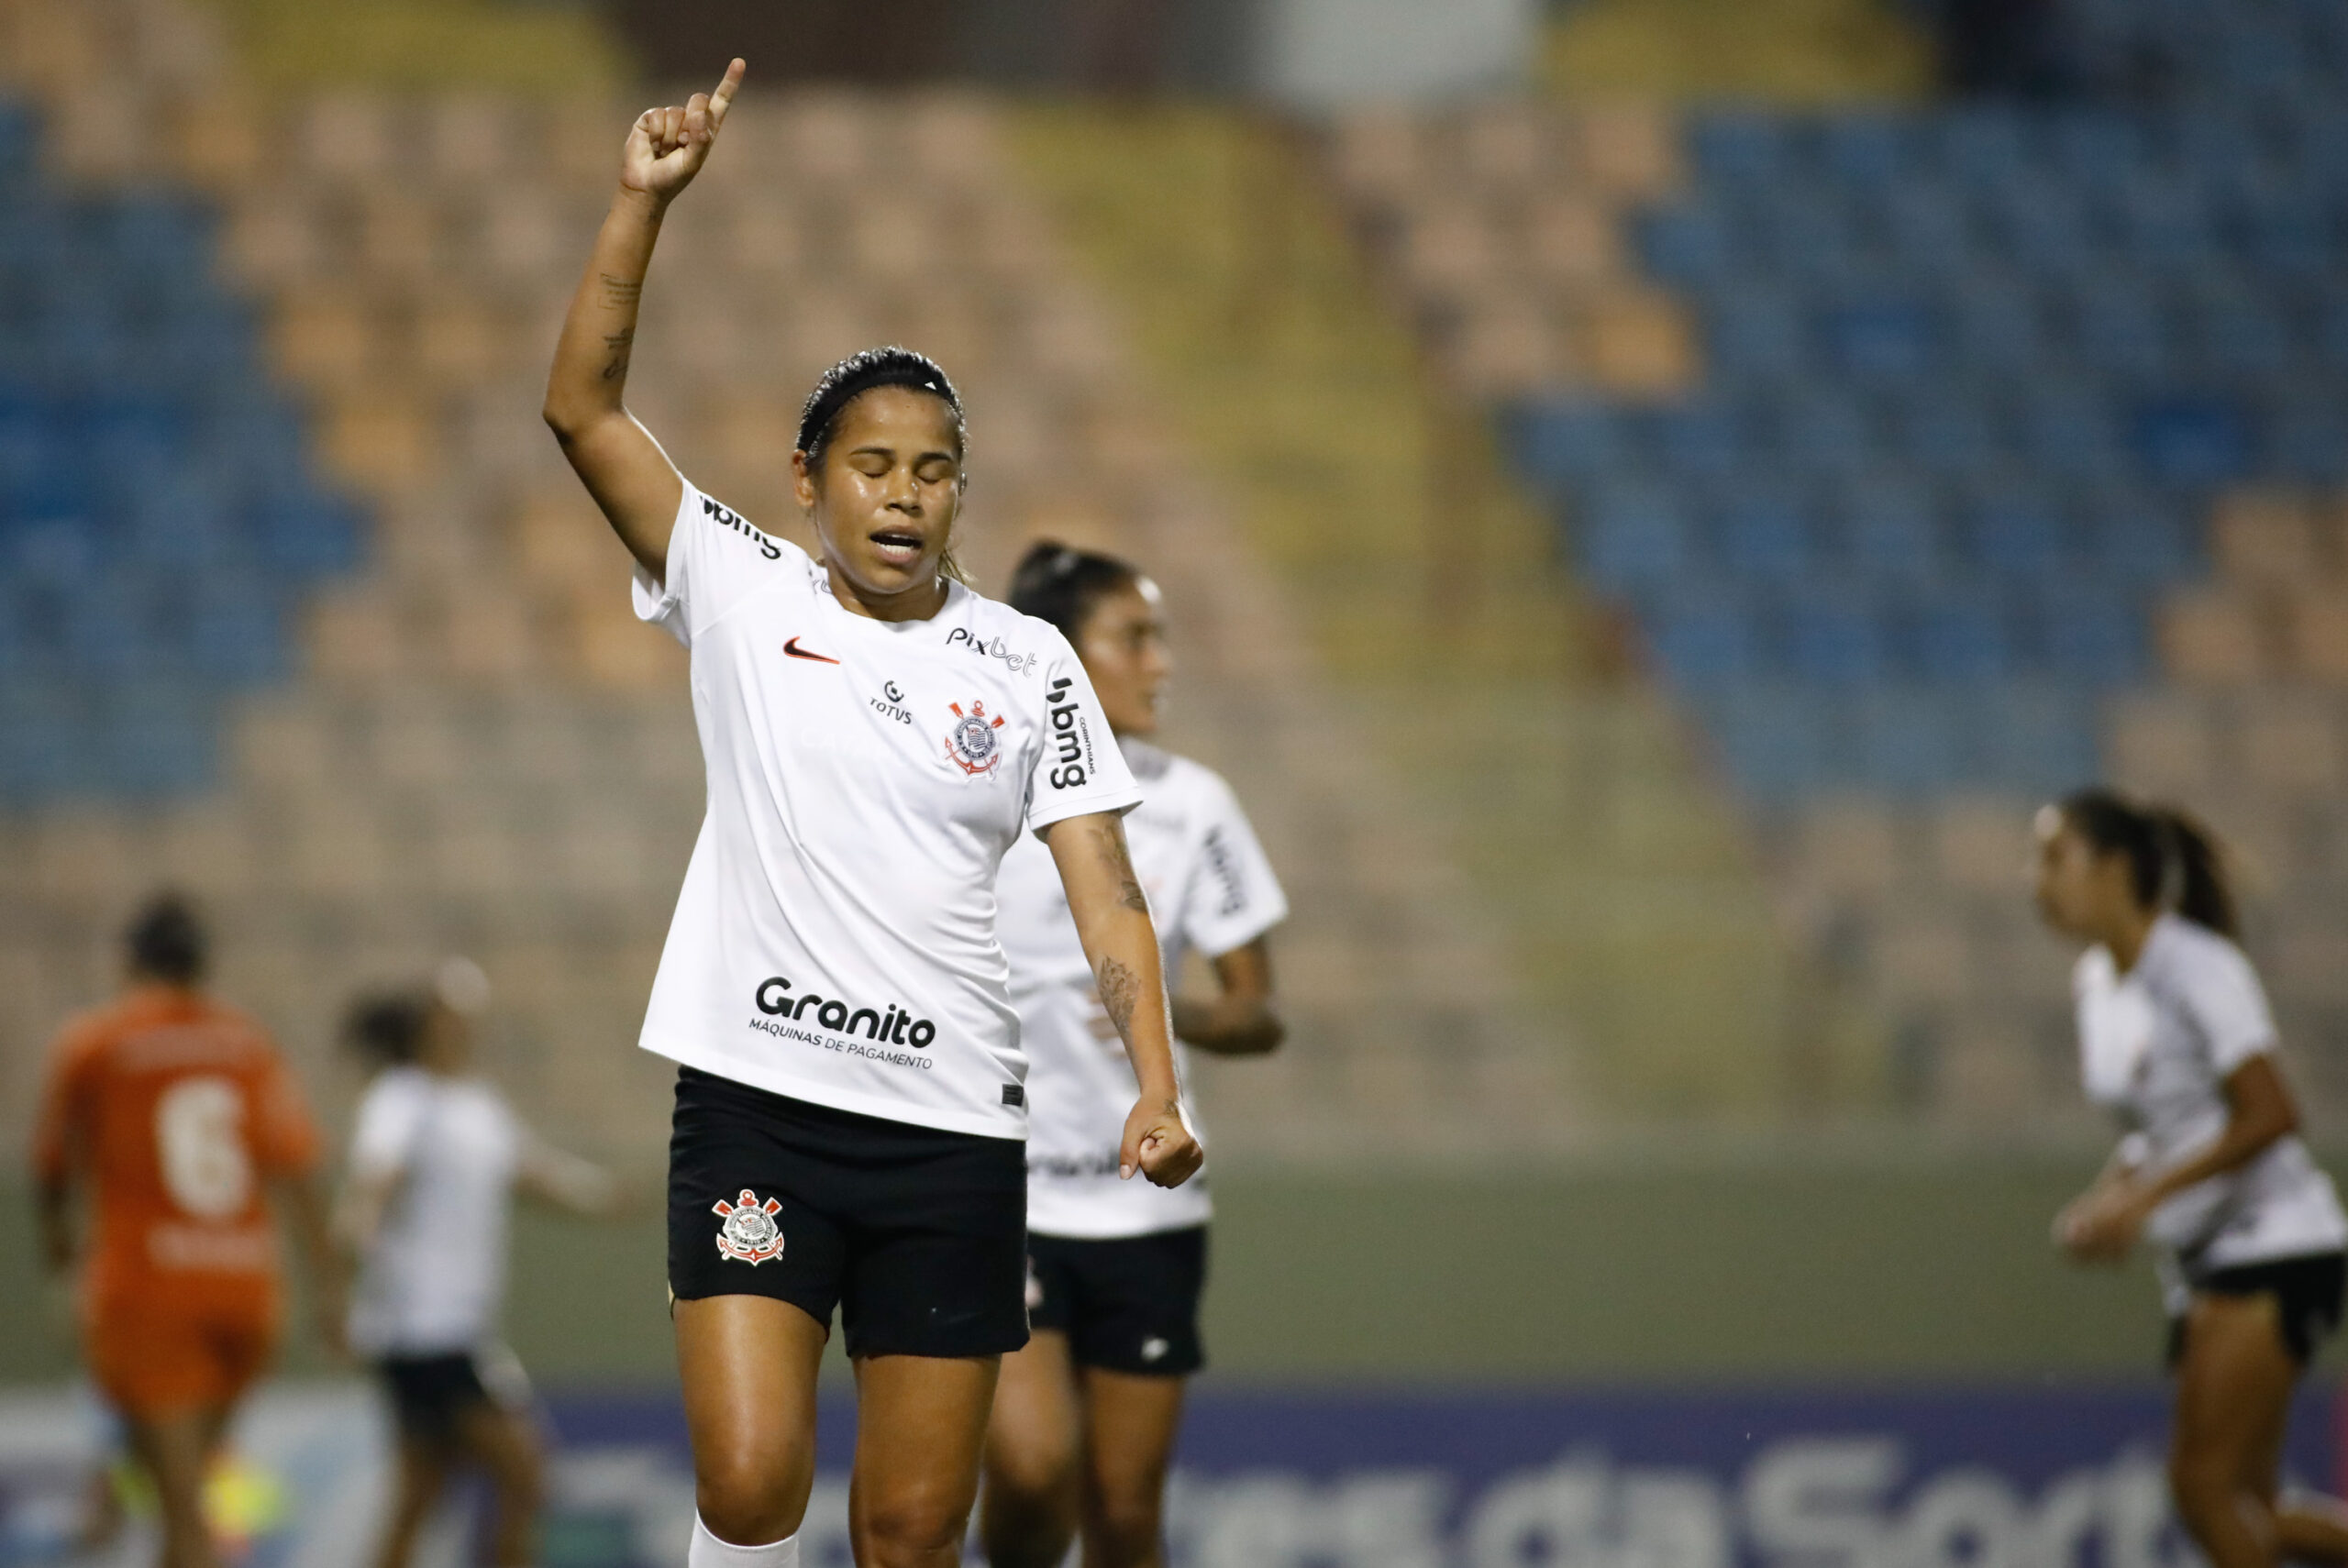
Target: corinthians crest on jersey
(749,1234)
(972,742)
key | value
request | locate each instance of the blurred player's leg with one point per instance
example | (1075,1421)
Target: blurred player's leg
(505,1445)
(2233,1392)
(1131,1419)
(177,1449)
(422,1476)
(1028,1514)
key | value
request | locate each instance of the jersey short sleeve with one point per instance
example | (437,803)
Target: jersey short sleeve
(391,1117)
(1233,897)
(2220,993)
(714,557)
(1079,769)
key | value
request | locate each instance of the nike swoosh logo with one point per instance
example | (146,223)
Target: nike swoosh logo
(795,651)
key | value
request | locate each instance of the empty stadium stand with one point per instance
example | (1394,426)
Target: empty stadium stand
(463,741)
(1985,472)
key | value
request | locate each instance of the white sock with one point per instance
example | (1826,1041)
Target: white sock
(708,1552)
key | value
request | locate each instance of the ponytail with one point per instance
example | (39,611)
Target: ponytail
(2199,890)
(2174,863)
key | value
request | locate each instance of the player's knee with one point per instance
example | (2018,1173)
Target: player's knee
(1125,1520)
(1034,1476)
(744,1500)
(913,1527)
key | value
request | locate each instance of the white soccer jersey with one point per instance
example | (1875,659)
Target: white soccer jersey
(1209,888)
(433,1278)
(835,939)
(2157,1046)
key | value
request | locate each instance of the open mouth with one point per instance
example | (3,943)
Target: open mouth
(898,546)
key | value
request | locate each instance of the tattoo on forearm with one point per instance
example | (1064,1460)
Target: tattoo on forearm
(619,291)
(619,343)
(1119,991)
(1113,848)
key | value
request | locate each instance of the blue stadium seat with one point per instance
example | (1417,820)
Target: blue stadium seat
(2191,440)
(1891,534)
(1689,245)
(2138,538)
(1697,440)
(1558,443)
(2094,147)
(2035,739)
(1819,431)
(1632,538)
(1765,534)
(1996,327)
(2067,431)
(1908,740)
(1778,742)
(2015,534)
(2308,442)
(1704,639)
(234,634)
(2088,631)
(1837,637)
(48,747)
(1928,228)
(1732,147)
(2121,329)
(1888,339)
(1872,153)
(305,535)
(1960,637)
(1980,145)
(1761,332)
(1947,436)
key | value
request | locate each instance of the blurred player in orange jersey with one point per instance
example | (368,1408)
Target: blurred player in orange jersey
(175,1121)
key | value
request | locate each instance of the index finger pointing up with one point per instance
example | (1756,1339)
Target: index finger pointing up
(723,98)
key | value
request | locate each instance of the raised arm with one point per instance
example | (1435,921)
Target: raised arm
(1113,921)
(622,465)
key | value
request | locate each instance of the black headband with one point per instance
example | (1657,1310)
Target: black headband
(825,405)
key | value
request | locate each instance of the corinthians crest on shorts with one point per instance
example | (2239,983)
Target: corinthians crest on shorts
(749,1234)
(972,742)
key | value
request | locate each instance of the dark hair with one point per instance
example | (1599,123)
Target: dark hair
(2174,862)
(859,373)
(389,1026)
(1061,584)
(164,941)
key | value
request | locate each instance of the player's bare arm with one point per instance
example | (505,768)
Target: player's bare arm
(303,1207)
(1112,923)
(617,460)
(1241,1020)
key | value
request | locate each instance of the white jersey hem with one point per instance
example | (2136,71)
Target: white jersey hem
(880,1108)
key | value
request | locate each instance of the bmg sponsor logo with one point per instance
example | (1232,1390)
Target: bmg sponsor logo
(726,517)
(896,1025)
(1068,738)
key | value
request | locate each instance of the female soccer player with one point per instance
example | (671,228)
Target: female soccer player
(1084,1418)
(850,1112)
(2174,1037)
(178,1119)
(435,1158)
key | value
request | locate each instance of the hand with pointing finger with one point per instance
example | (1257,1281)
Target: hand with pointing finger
(666,148)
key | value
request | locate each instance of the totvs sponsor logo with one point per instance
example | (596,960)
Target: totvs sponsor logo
(896,1026)
(726,517)
(1070,744)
